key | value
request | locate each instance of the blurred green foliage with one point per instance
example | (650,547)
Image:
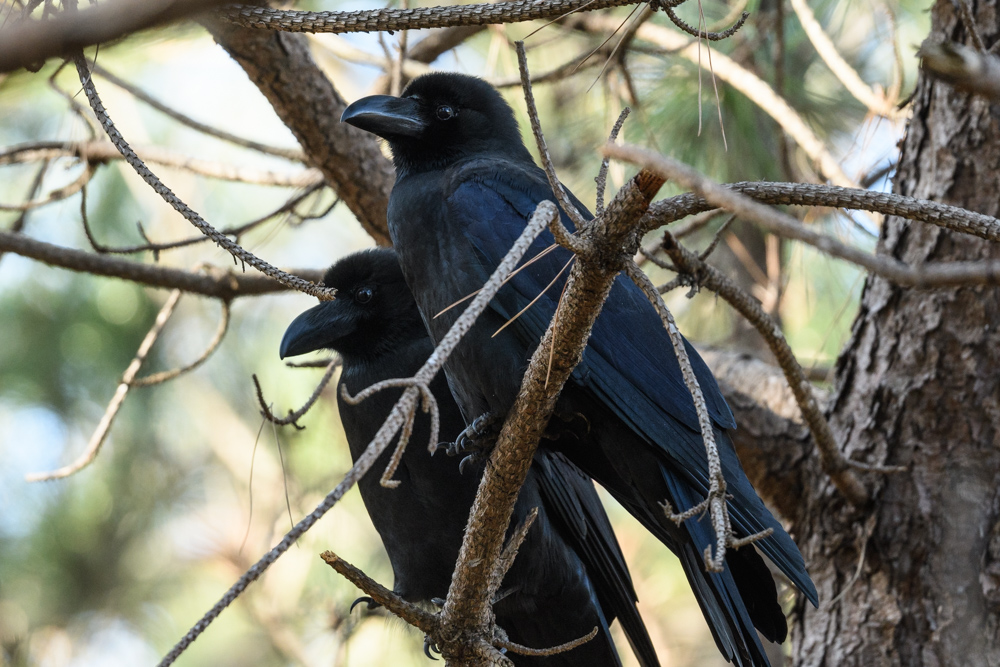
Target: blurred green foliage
(111,566)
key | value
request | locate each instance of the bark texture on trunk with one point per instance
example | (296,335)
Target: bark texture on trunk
(914,579)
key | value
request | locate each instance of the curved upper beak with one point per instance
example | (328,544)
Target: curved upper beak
(386,116)
(317,328)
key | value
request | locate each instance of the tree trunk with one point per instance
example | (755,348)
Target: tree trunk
(914,579)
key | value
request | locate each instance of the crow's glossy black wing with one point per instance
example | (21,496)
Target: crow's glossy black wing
(572,501)
(628,363)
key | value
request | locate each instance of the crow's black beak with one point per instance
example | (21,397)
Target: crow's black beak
(386,116)
(316,329)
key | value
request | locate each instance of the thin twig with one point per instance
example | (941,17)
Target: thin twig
(293,417)
(536,129)
(701,34)
(287,153)
(833,461)
(558,73)
(235,232)
(36,184)
(506,559)
(58,194)
(213,345)
(939,274)
(715,239)
(343,49)
(96,151)
(413,614)
(716,498)
(602,176)
(545,652)
(104,426)
(396,73)
(220,239)
(213,282)
(969,21)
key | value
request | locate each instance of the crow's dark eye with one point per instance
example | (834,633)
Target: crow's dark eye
(364,295)
(445,112)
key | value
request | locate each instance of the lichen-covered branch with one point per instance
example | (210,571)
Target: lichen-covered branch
(409,612)
(374,20)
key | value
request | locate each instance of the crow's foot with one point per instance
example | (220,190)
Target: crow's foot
(471,462)
(372,605)
(429,646)
(478,438)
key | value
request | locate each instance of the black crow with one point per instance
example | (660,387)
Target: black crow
(465,187)
(569,575)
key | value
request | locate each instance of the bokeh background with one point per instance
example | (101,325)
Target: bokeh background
(111,566)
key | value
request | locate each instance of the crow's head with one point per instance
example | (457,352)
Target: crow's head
(441,118)
(373,312)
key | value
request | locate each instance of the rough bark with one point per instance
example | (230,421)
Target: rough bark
(918,572)
(281,66)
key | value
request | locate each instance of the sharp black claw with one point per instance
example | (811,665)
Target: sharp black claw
(477,438)
(429,646)
(465,463)
(364,598)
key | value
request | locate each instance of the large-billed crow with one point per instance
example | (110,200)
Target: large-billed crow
(465,187)
(569,575)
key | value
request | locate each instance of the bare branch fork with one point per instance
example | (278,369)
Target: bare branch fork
(295,415)
(400,418)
